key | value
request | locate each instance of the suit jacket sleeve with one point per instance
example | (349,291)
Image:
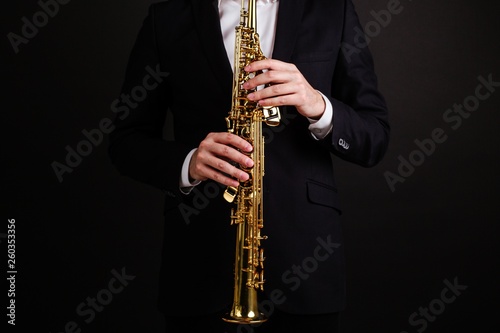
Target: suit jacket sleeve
(360,121)
(136,146)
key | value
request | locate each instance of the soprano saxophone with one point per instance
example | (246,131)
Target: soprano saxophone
(245,120)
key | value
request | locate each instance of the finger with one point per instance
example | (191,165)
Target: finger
(272,91)
(224,145)
(226,152)
(211,173)
(233,140)
(279,100)
(225,168)
(272,77)
(270,64)
(206,165)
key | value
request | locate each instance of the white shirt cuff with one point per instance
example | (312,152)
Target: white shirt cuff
(323,126)
(184,184)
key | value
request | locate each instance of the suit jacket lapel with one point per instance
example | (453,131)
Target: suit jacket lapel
(208,26)
(289,18)
(207,23)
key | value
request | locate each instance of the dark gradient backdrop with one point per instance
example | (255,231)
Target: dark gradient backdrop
(421,228)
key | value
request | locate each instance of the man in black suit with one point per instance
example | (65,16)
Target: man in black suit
(330,104)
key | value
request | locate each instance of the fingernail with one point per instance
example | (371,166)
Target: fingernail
(250,96)
(249,163)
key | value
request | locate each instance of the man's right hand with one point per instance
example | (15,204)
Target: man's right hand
(215,157)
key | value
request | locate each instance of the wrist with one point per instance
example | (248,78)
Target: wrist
(186,180)
(319,107)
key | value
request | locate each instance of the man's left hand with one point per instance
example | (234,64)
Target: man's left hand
(287,86)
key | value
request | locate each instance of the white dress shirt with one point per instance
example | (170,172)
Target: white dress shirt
(267,12)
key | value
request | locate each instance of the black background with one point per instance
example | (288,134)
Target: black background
(440,224)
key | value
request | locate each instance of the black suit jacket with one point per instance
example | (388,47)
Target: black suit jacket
(181,39)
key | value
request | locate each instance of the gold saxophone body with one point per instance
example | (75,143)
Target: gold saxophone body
(245,120)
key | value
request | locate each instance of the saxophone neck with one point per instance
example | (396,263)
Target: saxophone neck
(249,14)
